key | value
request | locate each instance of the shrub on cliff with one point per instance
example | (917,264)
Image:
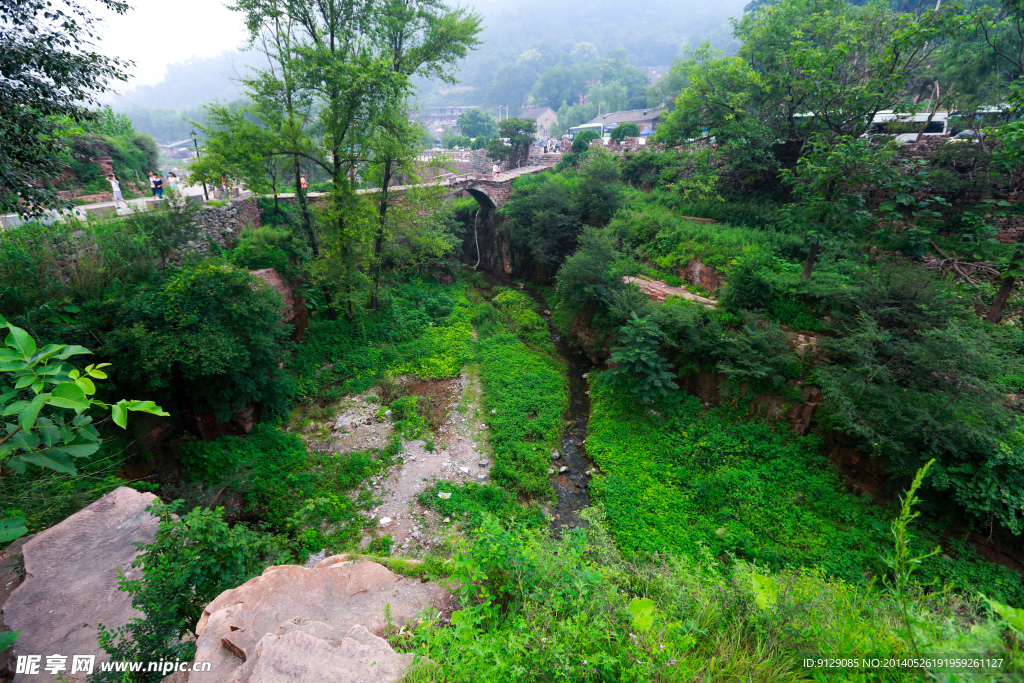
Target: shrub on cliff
(209,337)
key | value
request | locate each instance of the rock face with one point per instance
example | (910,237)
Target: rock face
(319,620)
(658,290)
(71,579)
(294,304)
(313,652)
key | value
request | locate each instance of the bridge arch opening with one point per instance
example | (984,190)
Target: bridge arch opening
(482,197)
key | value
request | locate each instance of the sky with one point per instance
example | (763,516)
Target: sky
(155,33)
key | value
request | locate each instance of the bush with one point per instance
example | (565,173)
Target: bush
(190,562)
(637,364)
(208,334)
(625,130)
(480,142)
(269,247)
(757,356)
(749,286)
(581,143)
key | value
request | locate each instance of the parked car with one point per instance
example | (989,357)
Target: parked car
(965,136)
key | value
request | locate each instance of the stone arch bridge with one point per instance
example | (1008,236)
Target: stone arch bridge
(488,191)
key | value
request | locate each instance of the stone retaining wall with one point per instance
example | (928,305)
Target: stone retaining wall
(219,226)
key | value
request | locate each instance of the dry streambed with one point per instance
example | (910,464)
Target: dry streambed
(459,454)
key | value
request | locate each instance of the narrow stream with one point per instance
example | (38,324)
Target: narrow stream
(570,485)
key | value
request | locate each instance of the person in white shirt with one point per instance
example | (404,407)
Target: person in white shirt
(115,187)
(496,171)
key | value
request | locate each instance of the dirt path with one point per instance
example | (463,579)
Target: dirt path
(459,455)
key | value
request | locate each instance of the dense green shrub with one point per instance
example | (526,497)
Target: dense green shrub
(209,337)
(269,247)
(547,212)
(190,562)
(637,364)
(581,143)
(757,356)
(625,130)
(749,286)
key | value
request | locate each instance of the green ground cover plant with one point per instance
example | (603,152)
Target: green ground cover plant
(680,477)
(424,329)
(524,400)
(303,495)
(538,609)
(470,503)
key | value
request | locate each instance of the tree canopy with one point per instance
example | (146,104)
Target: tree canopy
(50,72)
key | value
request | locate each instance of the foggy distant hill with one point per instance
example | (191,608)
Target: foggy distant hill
(521,40)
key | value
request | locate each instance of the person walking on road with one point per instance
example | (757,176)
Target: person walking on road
(115,188)
(496,171)
(172,179)
(302,181)
(158,186)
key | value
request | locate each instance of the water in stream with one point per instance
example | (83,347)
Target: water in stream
(570,486)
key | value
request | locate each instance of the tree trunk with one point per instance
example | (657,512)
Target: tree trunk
(378,242)
(935,108)
(306,221)
(995,312)
(809,263)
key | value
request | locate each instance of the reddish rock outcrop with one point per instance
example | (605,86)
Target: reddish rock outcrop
(313,652)
(244,624)
(700,274)
(658,290)
(294,305)
(71,580)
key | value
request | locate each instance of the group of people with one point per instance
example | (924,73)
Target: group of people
(156,186)
(550,145)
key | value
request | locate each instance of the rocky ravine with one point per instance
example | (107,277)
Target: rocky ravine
(460,454)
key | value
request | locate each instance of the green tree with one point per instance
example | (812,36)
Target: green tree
(559,84)
(581,143)
(476,122)
(830,183)
(637,363)
(49,73)
(512,143)
(625,130)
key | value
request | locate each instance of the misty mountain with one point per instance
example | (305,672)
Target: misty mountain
(520,42)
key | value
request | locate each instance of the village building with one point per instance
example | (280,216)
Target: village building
(647,120)
(436,117)
(545,118)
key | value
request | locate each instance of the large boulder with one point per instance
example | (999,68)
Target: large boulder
(71,580)
(313,652)
(341,594)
